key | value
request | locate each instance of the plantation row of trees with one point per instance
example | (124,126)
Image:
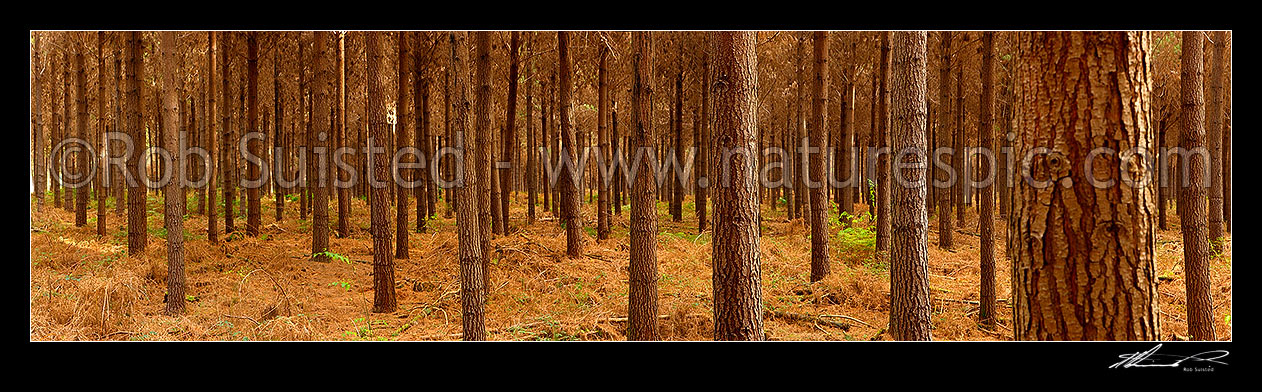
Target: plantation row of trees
(1082,256)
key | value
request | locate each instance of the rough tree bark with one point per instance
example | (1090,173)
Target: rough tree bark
(570,213)
(472,284)
(253,213)
(402,138)
(946,231)
(986,223)
(532,153)
(1192,205)
(910,309)
(137,227)
(174,214)
(642,270)
(81,161)
(1083,266)
(817,175)
(482,149)
(737,273)
(883,142)
(379,169)
(339,137)
(318,139)
(278,163)
(1214,139)
(213,128)
(602,135)
(509,139)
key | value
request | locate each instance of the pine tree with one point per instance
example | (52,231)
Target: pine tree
(737,272)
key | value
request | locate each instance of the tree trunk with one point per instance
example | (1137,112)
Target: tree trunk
(882,158)
(278,162)
(402,138)
(174,214)
(737,272)
(253,214)
(379,169)
(959,194)
(570,212)
(677,188)
(137,230)
(1214,139)
(339,131)
(229,158)
(701,200)
(1083,266)
(532,152)
(602,113)
(213,129)
(38,73)
(510,133)
(472,284)
(946,231)
(424,191)
(817,177)
(1192,202)
(642,298)
(800,207)
(482,124)
(909,257)
(986,223)
(81,161)
(102,162)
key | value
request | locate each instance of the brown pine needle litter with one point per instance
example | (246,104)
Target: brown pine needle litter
(85,287)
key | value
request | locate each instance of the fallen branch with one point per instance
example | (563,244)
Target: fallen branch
(847,318)
(806,318)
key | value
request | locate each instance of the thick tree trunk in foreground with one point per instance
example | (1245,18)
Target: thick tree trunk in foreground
(570,213)
(174,212)
(817,177)
(1192,203)
(319,139)
(472,284)
(986,223)
(909,257)
(737,272)
(1083,266)
(137,227)
(642,297)
(379,193)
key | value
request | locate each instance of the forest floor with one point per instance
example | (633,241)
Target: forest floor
(85,287)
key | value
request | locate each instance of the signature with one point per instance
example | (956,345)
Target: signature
(1150,358)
